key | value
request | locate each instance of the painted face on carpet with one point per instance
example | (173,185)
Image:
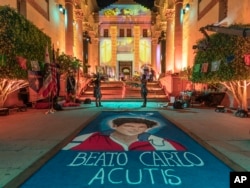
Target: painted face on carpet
(135,149)
(125,134)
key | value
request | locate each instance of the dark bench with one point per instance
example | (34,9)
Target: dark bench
(4,111)
(17,108)
(220,108)
(211,99)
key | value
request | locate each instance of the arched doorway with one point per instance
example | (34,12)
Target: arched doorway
(125,69)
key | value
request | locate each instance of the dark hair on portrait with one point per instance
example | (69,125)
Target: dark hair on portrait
(120,121)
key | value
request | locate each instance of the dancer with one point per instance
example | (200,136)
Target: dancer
(71,87)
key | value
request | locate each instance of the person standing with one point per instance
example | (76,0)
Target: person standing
(71,86)
(97,89)
(122,77)
(144,90)
(58,78)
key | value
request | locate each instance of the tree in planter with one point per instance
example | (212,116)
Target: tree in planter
(68,63)
(20,42)
(223,57)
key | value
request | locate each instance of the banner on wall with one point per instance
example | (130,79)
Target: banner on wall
(215,66)
(204,67)
(2,59)
(230,58)
(197,67)
(35,79)
(35,66)
(247,59)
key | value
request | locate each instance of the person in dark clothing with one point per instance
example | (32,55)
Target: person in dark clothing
(71,86)
(97,89)
(58,77)
(144,90)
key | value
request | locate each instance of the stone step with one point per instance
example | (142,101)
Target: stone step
(118,90)
(149,91)
(125,99)
(109,90)
(104,97)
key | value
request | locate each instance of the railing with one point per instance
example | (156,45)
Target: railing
(84,86)
(163,82)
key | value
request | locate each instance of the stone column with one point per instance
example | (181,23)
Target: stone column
(78,35)
(85,49)
(113,36)
(69,34)
(95,55)
(154,53)
(93,49)
(137,37)
(170,40)
(178,37)
(163,47)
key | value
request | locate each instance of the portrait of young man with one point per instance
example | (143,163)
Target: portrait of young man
(125,134)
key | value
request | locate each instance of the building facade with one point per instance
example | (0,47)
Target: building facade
(126,36)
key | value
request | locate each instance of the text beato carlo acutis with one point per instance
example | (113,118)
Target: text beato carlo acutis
(116,167)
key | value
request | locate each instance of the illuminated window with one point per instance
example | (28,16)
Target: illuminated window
(106,33)
(145,33)
(129,33)
(122,34)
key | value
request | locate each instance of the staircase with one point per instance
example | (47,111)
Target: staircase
(110,90)
(155,92)
(118,90)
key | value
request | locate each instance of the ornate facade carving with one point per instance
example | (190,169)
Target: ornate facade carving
(78,14)
(69,2)
(170,14)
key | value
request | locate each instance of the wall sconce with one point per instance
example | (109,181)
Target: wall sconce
(61,9)
(186,8)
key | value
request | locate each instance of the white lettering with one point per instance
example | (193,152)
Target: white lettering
(130,177)
(151,174)
(173,180)
(152,161)
(100,159)
(79,159)
(99,176)
(133,174)
(240,179)
(180,159)
(110,173)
